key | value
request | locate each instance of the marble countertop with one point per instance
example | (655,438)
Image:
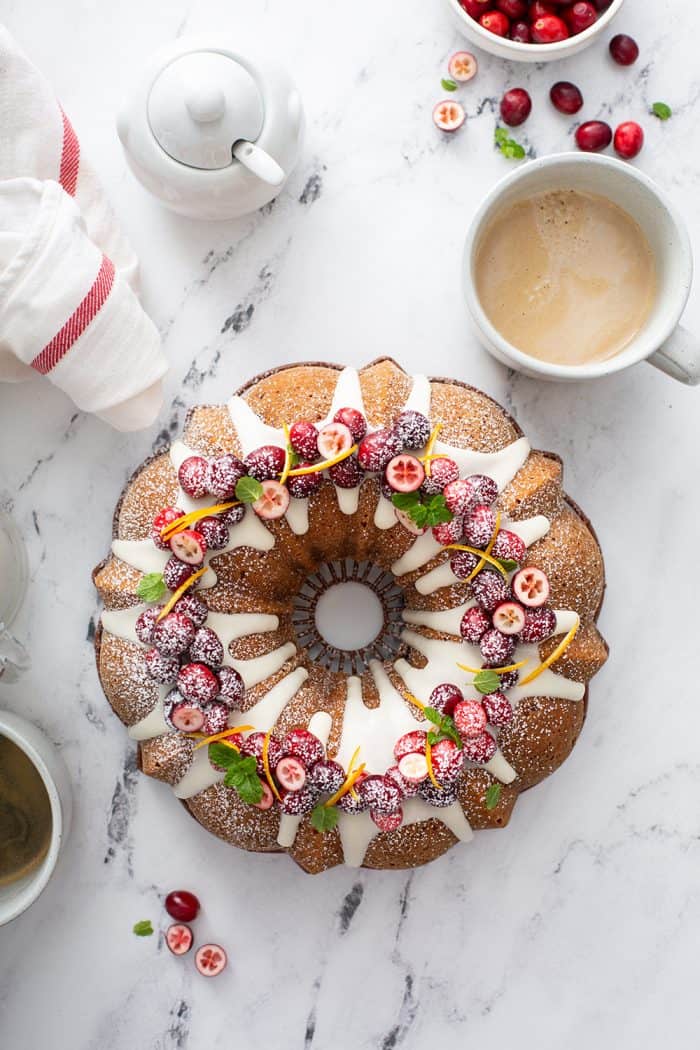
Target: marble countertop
(576,926)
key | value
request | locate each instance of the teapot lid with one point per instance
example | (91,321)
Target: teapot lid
(202,103)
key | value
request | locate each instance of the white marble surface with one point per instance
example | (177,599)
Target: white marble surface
(575,927)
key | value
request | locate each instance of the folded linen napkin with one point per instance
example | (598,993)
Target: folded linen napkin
(68,277)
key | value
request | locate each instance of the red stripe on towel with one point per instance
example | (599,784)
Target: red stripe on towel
(78,322)
(70,157)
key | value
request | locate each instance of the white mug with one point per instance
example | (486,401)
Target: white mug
(17,896)
(661,341)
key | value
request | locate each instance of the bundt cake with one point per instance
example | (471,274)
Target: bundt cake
(384,755)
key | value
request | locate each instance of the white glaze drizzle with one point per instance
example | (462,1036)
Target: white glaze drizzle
(446,620)
(419,553)
(348,500)
(297,515)
(154,723)
(229,626)
(502,466)
(384,514)
(320,725)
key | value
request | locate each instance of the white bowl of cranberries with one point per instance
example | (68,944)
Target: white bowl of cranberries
(533,30)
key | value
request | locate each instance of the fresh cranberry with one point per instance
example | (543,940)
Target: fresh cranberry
(173,634)
(497,648)
(231,685)
(490,589)
(520,31)
(193,476)
(225,472)
(377,449)
(193,607)
(480,748)
(549,29)
(146,624)
(629,139)
(303,437)
(198,682)
(163,518)
(444,698)
(182,905)
(413,429)
(354,421)
(566,97)
(347,474)
(162,668)
(176,573)
(449,532)
(476,8)
(539,625)
(496,22)
(265,463)
(580,16)
(479,526)
(593,136)
(303,745)
(509,546)
(540,10)
(515,107)
(214,531)
(513,8)
(475,623)
(304,485)
(498,710)
(463,564)
(206,648)
(442,472)
(624,49)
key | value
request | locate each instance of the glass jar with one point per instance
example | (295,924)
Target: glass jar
(14,572)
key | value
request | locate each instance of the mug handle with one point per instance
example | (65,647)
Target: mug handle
(679,357)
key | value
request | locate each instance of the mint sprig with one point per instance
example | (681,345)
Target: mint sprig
(510,149)
(324,818)
(508,564)
(662,110)
(294,457)
(492,796)
(445,729)
(448,85)
(241,772)
(144,928)
(151,587)
(248,489)
(426,512)
(486,681)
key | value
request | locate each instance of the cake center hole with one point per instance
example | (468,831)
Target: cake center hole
(349,616)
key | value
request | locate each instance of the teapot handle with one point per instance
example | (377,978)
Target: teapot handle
(259,162)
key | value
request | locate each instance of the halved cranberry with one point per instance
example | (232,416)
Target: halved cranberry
(509,618)
(290,773)
(189,546)
(353,419)
(409,743)
(179,938)
(274,501)
(531,587)
(334,439)
(405,473)
(210,960)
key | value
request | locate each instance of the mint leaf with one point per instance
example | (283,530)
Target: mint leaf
(294,457)
(438,511)
(151,587)
(432,715)
(492,796)
(432,511)
(448,85)
(662,110)
(508,564)
(486,681)
(446,729)
(242,776)
(324,818)
(222,755)
(248,490)
(144,928)
(433,738)
(508,146)
(405,500)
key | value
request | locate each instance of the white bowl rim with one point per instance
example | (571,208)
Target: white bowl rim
(517,47)
(11,726)
(511,353)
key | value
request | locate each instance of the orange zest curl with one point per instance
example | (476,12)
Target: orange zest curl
(554,655)
(176,595)
(180,524)
(221,737)
(266,766)
(316,468)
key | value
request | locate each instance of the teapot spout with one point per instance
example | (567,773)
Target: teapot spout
(259,162)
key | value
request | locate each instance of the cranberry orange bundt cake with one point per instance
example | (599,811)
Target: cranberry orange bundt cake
(386,754)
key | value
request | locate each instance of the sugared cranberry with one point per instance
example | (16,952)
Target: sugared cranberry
(497,648)
(206,648)
(520,31)
(459,496)
(231,686)
(539,625)
(439,797)
(624,49)
(326,776)
(509,546)
(566,97)
(189,546)
(225,472)
(215,718)
(480,748)
(484,488)
(162,668)
(268,799)
(176,572)
(496,22)
(490,589)
(442,472)
(303,745)
(173,634)
(214,531)
(387,821)
(377,449)
(299,803)
(470,718)
(513,8)
(193,607)
(444,698)
(353,802)
(593,136)
(463,564)
(413,429)
(509,679)
(407,788)
(198,683)
(515,107)
(449,531)
(447,760)
(410,742)
(347,474)
(234,515)
(146,623)
(182,905)
(498,710)
(303,437)
(380,793)
(193,476)
(254,744)
(475,623)
(163,518)
(479,526)
(265,463)
(549,29)
(580,16)
(353,420)
(304,485)
(629,139)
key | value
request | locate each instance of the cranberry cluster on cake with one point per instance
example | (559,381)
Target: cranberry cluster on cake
(489,577)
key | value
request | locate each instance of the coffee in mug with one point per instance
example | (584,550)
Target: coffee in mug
(25,814)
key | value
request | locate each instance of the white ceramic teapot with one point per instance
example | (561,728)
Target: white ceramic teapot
(212,131)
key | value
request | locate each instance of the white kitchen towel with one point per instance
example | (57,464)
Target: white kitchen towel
(68,277)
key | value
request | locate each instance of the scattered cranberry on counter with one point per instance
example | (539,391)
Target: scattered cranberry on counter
(210,960)
(179,938)
(624,49)
(182,905)
(629,139)
(515,107)
(566,97)
(593,136)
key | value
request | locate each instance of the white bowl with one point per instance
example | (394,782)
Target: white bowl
(517,52)
(17,896)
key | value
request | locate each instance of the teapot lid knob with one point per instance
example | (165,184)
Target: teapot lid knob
(205,103)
